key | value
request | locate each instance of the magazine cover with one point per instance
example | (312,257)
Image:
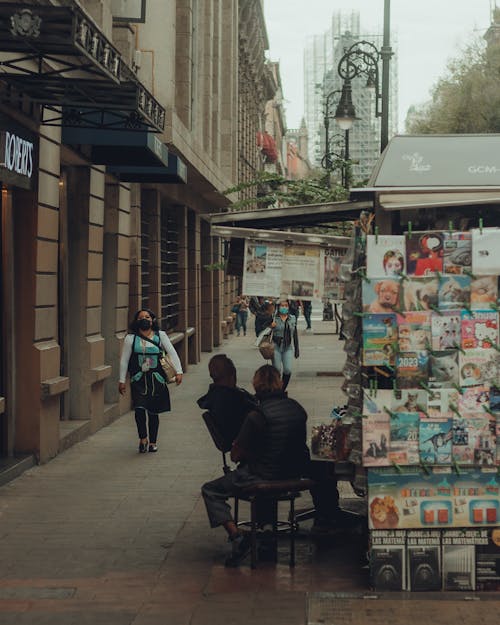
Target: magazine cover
(435,440)
(454,292)
(385,255)
(484,439)
(387,567)
(403,447)
(412,369)
(424,559)
(376,434)
(462,441)
(441,401)
(495,399)
(380,338)
(409,400)
(485,251)
(443,368)
(479,329)
(488,561)
(376,402)
(424,253)
(381,295)
(420,294)
(474,399)
(478,366)
(484,291)
(457,252)
(446,329)
(459,562)
(414,331)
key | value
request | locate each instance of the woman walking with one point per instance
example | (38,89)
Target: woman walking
(142,350)
(284,335)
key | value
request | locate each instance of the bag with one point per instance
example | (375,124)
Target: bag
(168,368)
(266,347)
(330,441)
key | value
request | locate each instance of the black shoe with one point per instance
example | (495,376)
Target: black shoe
(143,447)
(153,447)
(240,548)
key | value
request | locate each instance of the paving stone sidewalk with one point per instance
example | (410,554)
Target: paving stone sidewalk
(104,535)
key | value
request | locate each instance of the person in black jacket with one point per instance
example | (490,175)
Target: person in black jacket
(271,445)
(228,403)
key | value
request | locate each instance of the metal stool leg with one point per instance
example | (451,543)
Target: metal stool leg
(236,509)
(253,532)
(292,530)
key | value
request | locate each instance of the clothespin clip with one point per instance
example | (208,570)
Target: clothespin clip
(394,387)
(492,345)
(376,235)
(480,225)
(375,384)
(359,314)
(425,413)
(469,273)
(425,467)
(409,230)
(396,466)
(489,410)
(456,467)
(403,277)
(359,415)
(494,307)
(458,348)
(372,387)
(389,412)
(467,309)
(428,347)
(458,388)
(400,312)
(450,228)
(436,310)
(454,409)
(438,275)
(426,388)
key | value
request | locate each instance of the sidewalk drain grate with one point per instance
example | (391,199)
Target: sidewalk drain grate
(23,592)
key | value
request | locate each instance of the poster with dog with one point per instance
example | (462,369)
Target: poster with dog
(420,294)
(454,292)
(414,331)
(424,253)
(446,329)
(381,295)
(380,339)
(485,251)
(457,252)
(385,256)
(484,292)
(479,329)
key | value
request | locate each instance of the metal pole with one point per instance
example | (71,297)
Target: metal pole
(347,176)
(385,53)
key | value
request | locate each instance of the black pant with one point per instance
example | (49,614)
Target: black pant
(153,424)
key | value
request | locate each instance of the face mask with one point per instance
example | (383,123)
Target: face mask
(144,324)
(283,310)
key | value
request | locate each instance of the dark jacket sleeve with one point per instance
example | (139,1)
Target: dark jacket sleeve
(296,342)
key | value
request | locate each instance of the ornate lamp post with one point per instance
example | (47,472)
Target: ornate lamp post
(330,158)
(362,59)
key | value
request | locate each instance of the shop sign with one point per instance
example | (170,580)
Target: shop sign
(17,158)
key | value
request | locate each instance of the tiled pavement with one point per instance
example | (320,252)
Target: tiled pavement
(103,535)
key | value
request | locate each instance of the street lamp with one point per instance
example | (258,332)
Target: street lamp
(328,160)
(362,58)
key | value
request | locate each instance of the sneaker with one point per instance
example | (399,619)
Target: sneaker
(240,548)
(153,447)
(143,447)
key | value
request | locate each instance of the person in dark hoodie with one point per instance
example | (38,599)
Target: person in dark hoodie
(227,403)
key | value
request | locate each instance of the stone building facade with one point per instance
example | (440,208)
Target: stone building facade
(114,161)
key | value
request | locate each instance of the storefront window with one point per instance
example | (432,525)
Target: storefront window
(169,270)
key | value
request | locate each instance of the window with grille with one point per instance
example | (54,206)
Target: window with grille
(169,269)
(145,258)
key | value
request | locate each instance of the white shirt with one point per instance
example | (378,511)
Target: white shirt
(128,344)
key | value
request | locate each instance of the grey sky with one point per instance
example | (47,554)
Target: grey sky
(429,32)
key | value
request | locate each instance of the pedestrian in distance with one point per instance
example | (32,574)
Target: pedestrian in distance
(307,310)
(286,341)
(141,353)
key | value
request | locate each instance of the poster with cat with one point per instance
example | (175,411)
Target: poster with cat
(446,329)
(424,253)
(485,251)
(484,292)
(457,252)
(420,294)
(412,369)
(380,339)
(435,436)
(479,329)
(443,368)
(454,292)
(442,402)
(376,433)
(403,447)
(414,331)
(474,399)
(409,400)
(478,366)
(385,255)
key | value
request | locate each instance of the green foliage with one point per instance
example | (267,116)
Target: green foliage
(467,99)
(271,189)
(215,266)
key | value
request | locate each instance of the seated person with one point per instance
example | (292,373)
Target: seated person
(227,403)
(271,445)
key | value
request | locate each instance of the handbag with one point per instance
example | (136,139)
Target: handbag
(168,368)
(266,347)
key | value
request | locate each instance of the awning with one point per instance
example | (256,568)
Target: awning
(59,57)
(174,173)
(119,147)
(292,216)
(296,238)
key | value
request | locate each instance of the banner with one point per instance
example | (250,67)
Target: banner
(262,269)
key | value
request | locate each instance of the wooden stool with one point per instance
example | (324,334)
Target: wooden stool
(272,491)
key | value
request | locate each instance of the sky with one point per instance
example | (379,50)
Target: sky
(429,34)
